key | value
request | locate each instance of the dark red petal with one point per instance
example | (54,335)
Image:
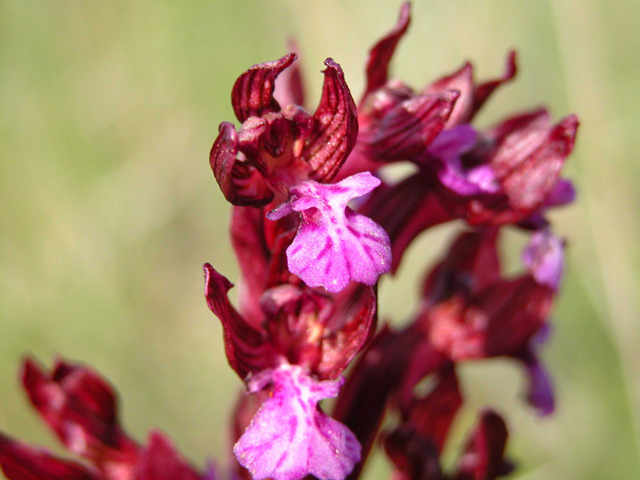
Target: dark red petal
(471,265)
(161,461)
(22,462)
(240,182)
(484,453)
(362,402)
(410,127)
(252,94)
(405,210)
(289,89)
(462,81)
(335,126)
(414,455)
(381,53)
(514,311)
(484,90)
(245,346)
(80,407)
(356,313)
(433,415)
(531,179)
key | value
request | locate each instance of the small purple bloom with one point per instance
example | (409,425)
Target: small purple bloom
(334,244)
(447,150)
(544,256)
(290,437)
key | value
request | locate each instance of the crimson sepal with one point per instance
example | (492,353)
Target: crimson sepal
(433,415)
(335,127)
(485,89)
(381,53)
(81,408)
(352,326)
(246,348)
(23,462)
(484,458)
(527,159)
(160,461)
(252,94)
(240,182)
(472,95)
(471,265)
(408,128)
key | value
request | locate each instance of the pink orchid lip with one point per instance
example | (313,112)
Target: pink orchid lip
(334,244)
(290,437)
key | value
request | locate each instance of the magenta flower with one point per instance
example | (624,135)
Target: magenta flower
(334,244)
(290,437)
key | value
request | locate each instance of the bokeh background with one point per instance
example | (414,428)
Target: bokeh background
(108,207)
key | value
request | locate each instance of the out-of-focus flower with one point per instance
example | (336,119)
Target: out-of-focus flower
(81,409)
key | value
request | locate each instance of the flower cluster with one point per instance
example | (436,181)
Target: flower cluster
(315,223)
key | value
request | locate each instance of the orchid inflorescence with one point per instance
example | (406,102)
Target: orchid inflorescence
(315,223)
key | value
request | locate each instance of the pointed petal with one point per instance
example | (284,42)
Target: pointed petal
(335,245)
(161,461)
(245,346)
(484,90)
(381,53)
(290,437)
(357,314)
(252,94)
(462,81)
(484,454)
(410,127)
(289,88)
(544,256)
(22,462)
(240,182)
(335,126)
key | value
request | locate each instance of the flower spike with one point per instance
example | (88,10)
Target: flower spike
(334,244)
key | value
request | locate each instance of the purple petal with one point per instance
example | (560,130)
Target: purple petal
(462,81)
(563,193)
(289,88)
(290,437)
(540,394)
(544,256)
(381,53)
(335,245)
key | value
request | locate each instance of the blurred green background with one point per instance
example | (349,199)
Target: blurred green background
(108,207)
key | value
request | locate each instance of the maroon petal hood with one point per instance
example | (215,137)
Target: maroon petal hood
(246,348)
